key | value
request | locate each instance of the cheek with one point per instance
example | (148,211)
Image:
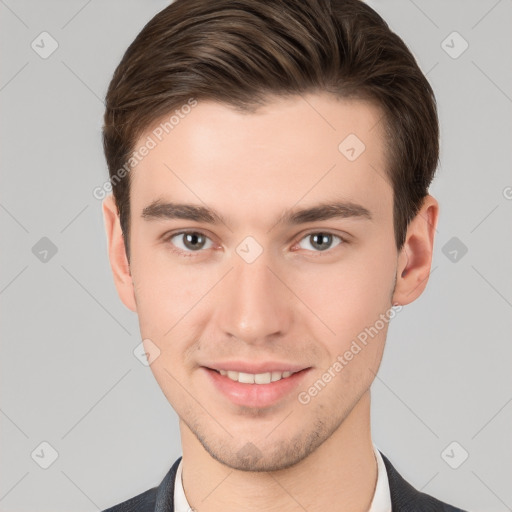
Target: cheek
(351,294)
(342,297)
(169,295)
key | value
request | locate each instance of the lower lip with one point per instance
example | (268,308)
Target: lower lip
(255,395)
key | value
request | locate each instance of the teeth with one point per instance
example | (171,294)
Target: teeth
(259,378)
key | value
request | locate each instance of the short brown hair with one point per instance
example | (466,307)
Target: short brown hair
(241,52)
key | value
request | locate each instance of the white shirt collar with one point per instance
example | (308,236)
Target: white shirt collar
(382,498)
(381,501)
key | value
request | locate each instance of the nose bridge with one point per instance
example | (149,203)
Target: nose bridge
(254,304)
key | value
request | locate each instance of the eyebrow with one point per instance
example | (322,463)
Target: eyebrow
(323,211)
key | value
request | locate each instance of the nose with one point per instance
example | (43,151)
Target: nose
(254,305)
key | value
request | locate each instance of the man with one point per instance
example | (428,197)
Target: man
(270,164)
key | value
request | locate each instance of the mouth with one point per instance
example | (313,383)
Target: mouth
(258,390)
(255,378)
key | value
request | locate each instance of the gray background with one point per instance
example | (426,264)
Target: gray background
(68,373)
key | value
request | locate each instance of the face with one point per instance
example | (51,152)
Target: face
(251,284)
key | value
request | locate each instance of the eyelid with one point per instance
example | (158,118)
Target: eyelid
(344,240)
(167,237)
(344,236)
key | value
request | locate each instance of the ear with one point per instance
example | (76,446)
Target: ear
(117,254)
(415,259)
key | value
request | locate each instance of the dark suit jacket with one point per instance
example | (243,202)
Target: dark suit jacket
(404,497)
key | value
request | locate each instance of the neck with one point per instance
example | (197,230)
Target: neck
(341,474)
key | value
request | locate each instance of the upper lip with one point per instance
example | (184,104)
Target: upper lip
(255,368)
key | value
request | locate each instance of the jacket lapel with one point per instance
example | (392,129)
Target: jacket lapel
(405,498)
(165,493)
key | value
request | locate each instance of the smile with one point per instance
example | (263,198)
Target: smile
(255,378)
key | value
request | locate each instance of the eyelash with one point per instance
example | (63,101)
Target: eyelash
(188,254)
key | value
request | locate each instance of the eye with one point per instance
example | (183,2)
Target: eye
(189,241)
(320,241)
(186,243)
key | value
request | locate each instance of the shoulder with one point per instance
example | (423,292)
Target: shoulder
(144,502)
(157,499)
(405,498)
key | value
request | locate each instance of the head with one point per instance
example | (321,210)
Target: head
(295,143)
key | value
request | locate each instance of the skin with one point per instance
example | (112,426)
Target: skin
(294,303)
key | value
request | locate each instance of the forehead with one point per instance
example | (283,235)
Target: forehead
(297,149)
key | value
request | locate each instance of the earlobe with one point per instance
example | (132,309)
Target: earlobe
(415,259)
(117,254)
